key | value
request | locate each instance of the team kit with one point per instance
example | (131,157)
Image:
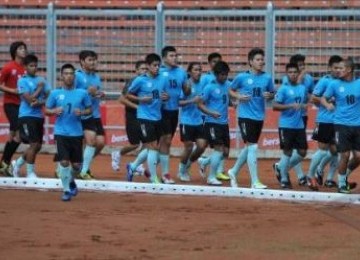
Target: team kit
(163,97)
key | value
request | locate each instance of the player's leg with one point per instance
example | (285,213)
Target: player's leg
(11,112)
(344,144)
(76,159)
(286,137)
(90,133)
(187,137)
(62,145)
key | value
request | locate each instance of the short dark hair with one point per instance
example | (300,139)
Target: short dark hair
(87,53)
(292,66)
(150,58)
(296,58)
(139,63)
(334,59)
(14,46)
(67,66)
(255,51)
(166,50)
(30,58)
(221,67)
(214,55)
(192,64)
(349,62)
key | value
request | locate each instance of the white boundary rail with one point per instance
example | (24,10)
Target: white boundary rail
(192,190)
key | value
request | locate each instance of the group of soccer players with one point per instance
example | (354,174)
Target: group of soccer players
(163,94)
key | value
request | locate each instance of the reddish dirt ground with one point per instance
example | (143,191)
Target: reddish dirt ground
(37,225)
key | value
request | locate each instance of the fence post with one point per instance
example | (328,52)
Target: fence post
(269,39)
(159,27)
(50,23)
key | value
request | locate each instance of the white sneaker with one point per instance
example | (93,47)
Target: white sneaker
(166,179)
(31,175)
(233,181)
(15,169)
(214,182)
(140,170)
(202,167)
(115,160)
(185,177)
(258,185)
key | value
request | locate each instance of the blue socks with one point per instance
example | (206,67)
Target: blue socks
(295,163)
(252,162)
(89,152)
(220,168)
(215,159)
(334,163)
(240,161)
(141,158)
(65,176)
(284,167)
(164,162)
(315,161)
(152,161)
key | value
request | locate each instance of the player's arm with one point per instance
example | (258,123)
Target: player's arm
(51,109)
(84,112)
(328,99)
(126,102)
(269,94)
(194,100)
(236,95)
(282,107)
(201,104)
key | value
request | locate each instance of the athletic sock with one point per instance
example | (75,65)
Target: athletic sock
(20,162)
(65,176)
(342,180)
(324,161)
(164,163)
(252,162)
(182,168)
(30,168)
(295,162)
(152,161)
(240,161)
(284,167)
(220,168)
(315,160)
(215,158)
(89,152)
(140,158)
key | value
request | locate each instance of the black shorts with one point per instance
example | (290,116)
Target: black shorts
(292,139)
(305,120)
(132,128)
(250,129)
(324,133)
(12,113)
(69,148)
(93,124)
(191,132)
(150,130)
(347,138)
(217,134)
(169,122)
(31,129)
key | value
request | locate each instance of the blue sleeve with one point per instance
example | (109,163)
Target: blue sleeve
(319,87)
(51,101)
(311,84)
(330,90)
(22,86)
(87,100)
(270,87)
(206,93)
(78,81)
(135,86)
(235,83)
(280,95)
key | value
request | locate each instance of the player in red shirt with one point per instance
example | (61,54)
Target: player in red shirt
(9,76)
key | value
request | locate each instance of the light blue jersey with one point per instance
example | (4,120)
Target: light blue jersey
(145,86)
(207,78)
(68,123)
(175,78)
(347,99)
(216,98)
(84,80)
(323,115)
(290,94)
(190,113)
(308,82)
(28,84)
(255,85)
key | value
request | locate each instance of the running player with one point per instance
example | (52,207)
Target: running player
(68,104)
(176,78)
(33,92)
(191,123)
(9,76)
(345,93)
(94,134)
(252,88)
(290,100)
(214,103)
(149,91)
(324,132)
